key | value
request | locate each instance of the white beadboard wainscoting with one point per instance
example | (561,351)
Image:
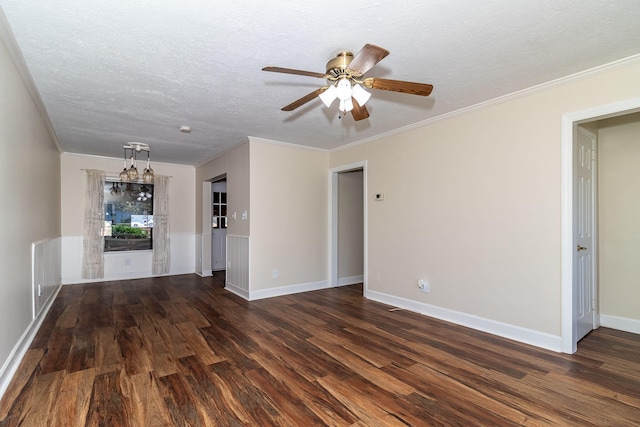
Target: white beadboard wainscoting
(45,272)
(237,280)
(128,265)
(45,284)
(204,255)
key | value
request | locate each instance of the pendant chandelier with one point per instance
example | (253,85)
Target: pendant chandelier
(131,174)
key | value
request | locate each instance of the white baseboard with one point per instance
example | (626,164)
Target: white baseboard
(352,280)
(127,276)
(236,290)
(205,273)
(287,290)
(620,323)
(12,363)
(516,333)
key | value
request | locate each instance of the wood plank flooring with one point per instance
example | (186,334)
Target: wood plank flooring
(183,351)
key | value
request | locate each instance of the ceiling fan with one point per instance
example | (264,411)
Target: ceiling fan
(345,77)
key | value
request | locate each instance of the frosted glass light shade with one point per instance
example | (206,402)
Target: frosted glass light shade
(343,89)
(346,105)
(361,95)
(329,95)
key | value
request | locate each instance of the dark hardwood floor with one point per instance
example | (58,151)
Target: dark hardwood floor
(183,351)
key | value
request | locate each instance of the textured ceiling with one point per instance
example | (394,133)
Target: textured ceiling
(110,72)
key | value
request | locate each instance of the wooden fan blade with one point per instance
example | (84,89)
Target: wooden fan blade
(359,112)
(292,71)
(411,88)
(368,56)
(297,103)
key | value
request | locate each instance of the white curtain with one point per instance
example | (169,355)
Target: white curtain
(161,251)
(93,242)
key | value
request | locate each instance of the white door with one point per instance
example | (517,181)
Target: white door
(218,226)
(584,261)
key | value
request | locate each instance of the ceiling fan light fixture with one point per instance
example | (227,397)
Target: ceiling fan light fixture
(343,89)
(345,76)
(346,105)
(329,95)
(360,95)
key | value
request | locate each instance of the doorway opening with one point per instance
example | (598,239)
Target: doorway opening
(348,225)
(571,247)
(219,224)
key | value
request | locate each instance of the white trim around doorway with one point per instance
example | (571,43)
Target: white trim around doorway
(570,121)
(333,221)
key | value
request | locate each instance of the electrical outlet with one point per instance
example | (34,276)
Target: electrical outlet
(274,273)
(424,286)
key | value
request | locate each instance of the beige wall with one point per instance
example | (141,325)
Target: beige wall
(350,225)
(235,165)
(126,265)
(289,218)
(473,203)
(181,191)
(619,216)
(30,194)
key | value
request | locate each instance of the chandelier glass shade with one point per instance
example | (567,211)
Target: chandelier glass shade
(115,189)
(124,175)
(147,175)
(133,170)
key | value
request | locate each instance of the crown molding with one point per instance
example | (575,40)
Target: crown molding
(287,144)
(9,40)
(611,66)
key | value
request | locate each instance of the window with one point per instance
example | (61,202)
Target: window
(219,209)
(128,216)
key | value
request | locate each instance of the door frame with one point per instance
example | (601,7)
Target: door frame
(570,122)
(205,238)
(211,231)
(333,220)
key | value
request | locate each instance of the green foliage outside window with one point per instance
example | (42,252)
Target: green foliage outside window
(122,231)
